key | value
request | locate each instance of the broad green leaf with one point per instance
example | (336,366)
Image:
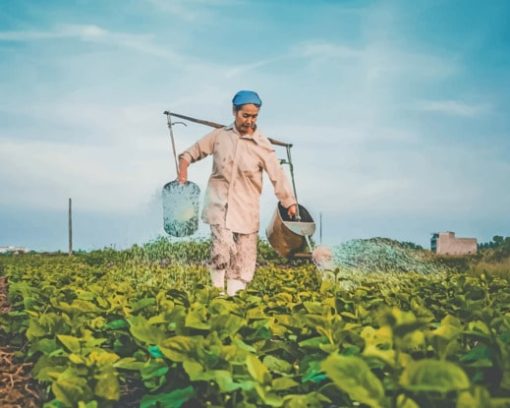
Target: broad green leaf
(328,348)
(278,330)
(313,342)
(107,385)
(499,403)
(353,376)
(77,359)
(404,401)
(256,313)
(46,370)
(258,370)
(79,306)
(418,307)
(154,374)
(173,399)
(227,324)
(35,330)
(234,354)
(85,294)
(449,328)
(412,341)
(377,337)
(479,397)
(45,346)
(69,388)
(70,342)
(197,318)
(402,323)
(55,403)
(155,352)
(129,363)
(311,400)
(219,306)
(89,341)
(243,346)
(144,332)
(277,365)
(178,348)
(261,333)
(195,371)
(434,376)
(314,307)
(478,326)
(478,356)
(283,383)
(89,404)
(102,357)
(387,356)
(314,373)
(97,323)
(161,318)
(153,369)
(117,324)
(142,304)
(164,303)
(227,385)
(268,398)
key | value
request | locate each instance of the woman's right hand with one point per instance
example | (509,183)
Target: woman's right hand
(183,171)
(182,178)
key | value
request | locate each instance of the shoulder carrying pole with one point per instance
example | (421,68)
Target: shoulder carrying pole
(218,126)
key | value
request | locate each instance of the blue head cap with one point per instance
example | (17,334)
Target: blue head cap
(244,97)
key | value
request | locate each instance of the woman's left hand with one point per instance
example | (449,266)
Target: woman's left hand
(292,211)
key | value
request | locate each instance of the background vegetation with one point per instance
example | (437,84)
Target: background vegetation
(142,327)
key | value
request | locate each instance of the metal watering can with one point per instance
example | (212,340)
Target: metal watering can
(180,208)
(180,201)
(290,237)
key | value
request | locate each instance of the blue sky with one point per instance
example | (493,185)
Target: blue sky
(398,111)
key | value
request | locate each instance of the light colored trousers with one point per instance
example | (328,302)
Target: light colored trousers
(234,257)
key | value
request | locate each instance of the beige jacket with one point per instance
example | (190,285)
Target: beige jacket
(232,198)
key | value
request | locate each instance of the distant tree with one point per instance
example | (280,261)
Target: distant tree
(498,240)
(499,248)
(411,245)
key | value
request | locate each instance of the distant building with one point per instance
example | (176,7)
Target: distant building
(12,250)
(445,243)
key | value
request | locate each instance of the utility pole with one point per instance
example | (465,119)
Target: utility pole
(70,228)
(320,228)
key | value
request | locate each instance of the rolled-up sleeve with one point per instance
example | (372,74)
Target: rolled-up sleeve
(200,149)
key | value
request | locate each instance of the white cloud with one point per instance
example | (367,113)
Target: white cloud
(101,178)
(192,10)
(93,33)
(325,50)
(376,59)
(453,107)
(241,69)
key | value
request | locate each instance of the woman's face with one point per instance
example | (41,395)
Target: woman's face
(246,118)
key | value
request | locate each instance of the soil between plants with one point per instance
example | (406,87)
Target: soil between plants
(17,387)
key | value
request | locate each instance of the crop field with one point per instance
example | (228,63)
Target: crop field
(144,328)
